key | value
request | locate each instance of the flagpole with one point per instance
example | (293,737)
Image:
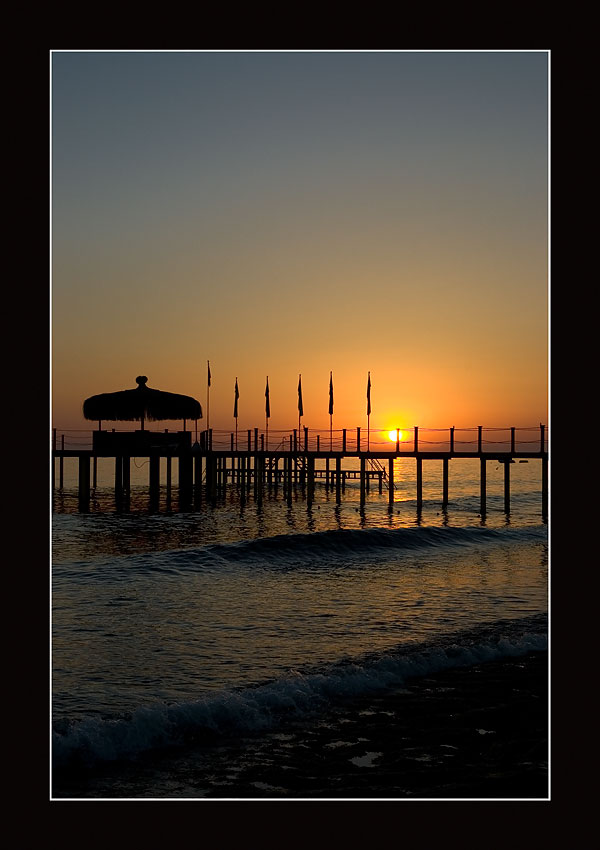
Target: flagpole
(331,411)
(235,411)
(369,412)
(208,398)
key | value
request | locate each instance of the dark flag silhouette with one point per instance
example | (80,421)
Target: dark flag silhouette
(208,363)
(267,402)
(267,412)
(300,407)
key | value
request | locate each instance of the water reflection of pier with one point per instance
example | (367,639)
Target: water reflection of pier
(217,461)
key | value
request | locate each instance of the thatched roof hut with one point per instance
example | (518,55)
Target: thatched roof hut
(141,403)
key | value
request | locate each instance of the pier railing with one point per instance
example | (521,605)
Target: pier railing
(348,441)
(218,458)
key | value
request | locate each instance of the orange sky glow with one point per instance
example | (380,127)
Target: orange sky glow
(289,213)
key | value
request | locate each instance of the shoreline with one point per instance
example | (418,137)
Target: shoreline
(478,732)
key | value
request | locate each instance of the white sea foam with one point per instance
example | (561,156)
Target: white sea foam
(298,695)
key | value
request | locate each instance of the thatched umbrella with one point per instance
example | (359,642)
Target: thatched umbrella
(140,404)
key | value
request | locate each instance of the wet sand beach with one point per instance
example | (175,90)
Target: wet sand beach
(478,732)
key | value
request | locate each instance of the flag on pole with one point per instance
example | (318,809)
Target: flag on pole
(331,394)
(208,362)
(267,403)
(235,403)
(369,395)
(300,407)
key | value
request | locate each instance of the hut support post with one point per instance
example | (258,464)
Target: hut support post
(419,482)
(126,482)
(155,479)
(118,481)
(338,480)
(391,482)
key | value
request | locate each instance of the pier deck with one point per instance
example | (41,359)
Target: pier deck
(206,469)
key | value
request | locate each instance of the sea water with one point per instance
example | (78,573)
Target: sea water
(170,629)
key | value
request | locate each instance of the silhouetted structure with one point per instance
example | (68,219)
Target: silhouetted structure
(205,468)
(140,404)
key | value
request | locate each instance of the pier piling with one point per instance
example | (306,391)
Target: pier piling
(259,468)
(84,484)
(362,480)
(155,480)
(126,482)
(545,488)
(61,468)
(482,485)
(197,478)
(445,482)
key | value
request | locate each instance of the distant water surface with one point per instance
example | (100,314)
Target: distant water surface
(228,616)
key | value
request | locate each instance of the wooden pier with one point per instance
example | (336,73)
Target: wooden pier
(206,470)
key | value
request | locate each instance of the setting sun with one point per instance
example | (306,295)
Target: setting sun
(395,434)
